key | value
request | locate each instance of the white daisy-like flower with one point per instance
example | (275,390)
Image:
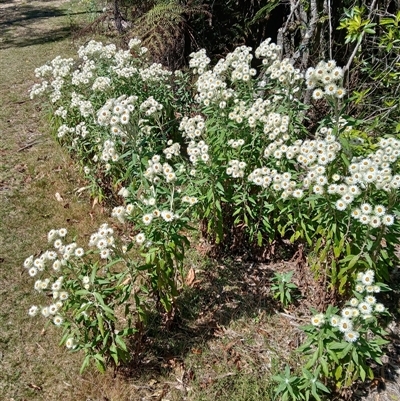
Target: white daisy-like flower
(105,253)
(368,277)
(62,232)
(28,262)
(351,336)
(140,238)
(147,218)
(370,299)
(370,288)
(33,310)
(340,93)
(70,343)
(167,215)
(53,308)
(366,208)
(347,312)
(377,288)
(63,295)
(387,219)
(365,308)
(345,325)
(379,210)
(318,320)
(354,302)
(375,222)
(356,213)
(359,288)
(364,219)
(56,286)
(79,252)
(45,311)
(318,94)
(335,320)
(56,265)
(379,308)
(340,205)
(58,320)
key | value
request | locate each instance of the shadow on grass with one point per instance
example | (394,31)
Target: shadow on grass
(224,294)
(27,25)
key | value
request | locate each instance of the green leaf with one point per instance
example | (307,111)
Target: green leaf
(121,343)
(324,365)
(354,355)
(100,323)
(338,372)
(362,372)
(345,351)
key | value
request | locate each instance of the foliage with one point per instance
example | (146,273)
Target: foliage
(282,288)
(340,346)
(231,147)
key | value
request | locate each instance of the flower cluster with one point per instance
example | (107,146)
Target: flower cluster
(325,74)
(155,73)
(199,61)
(236,168)
(157,170)
(198,151)
(268,51)
(116,113)
(192,127)
(150,106)
(359,309)
(172,149)
(103,240)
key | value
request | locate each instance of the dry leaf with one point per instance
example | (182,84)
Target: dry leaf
(35,387)
(190,277)
(197,351)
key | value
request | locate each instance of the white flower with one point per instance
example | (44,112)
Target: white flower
(370,299)
(33,310)
(345,325)
(387,220)
(140,238)
(105,253)
(167,215)
(354,302)
(70,343)
(351,336)
(62,232)
(63,295)
(318,320)
(147,218)
(365,308)
(335,320)
(58,320)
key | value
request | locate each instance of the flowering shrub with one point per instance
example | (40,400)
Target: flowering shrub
(101,296)
(341,344)
(231,146)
